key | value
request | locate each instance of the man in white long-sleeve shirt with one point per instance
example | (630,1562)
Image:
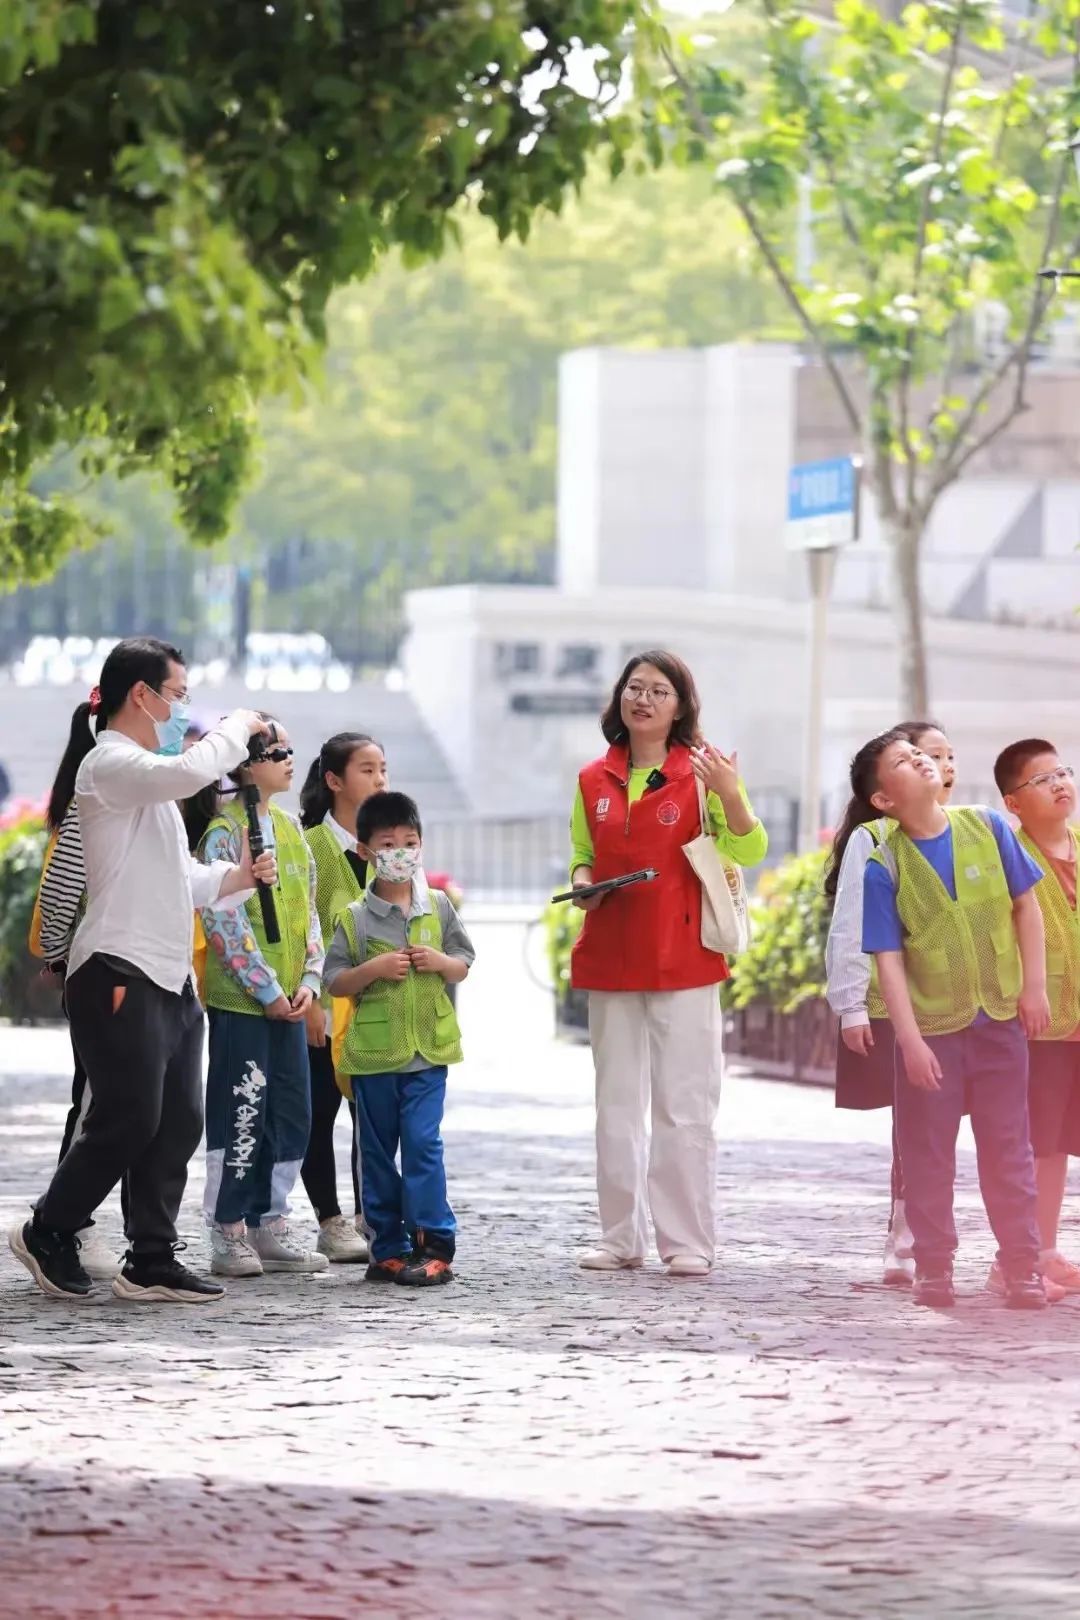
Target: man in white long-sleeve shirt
(135,1018)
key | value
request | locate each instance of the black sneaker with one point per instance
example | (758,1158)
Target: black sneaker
(933,1288)
(1025,1291)
(425,1271)
(52,1259)
(160,1278)
(387,1271)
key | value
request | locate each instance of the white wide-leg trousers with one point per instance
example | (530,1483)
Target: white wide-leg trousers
(662,1047)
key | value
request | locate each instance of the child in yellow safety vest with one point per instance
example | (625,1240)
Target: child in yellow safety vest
(952,921)
(350,767)
(394,952)
(257,995)
(1040,791)
(865,1060)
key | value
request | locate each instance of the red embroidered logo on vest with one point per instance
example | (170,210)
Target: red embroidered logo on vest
(668,813)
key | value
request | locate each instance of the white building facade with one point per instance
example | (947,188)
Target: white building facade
(673,470)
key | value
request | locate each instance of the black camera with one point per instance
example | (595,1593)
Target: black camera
(261,742)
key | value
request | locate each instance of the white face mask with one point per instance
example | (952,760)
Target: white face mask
(398,865)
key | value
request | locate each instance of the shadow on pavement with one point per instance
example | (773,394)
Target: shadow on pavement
(214,1549)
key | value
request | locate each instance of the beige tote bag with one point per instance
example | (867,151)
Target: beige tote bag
(725,905)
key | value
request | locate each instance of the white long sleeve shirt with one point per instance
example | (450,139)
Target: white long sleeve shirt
(847,970)
(142,883)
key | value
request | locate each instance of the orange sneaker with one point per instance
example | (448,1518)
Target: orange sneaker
(424,1271)
(386,1271)
(996,1283)
(1061,1272)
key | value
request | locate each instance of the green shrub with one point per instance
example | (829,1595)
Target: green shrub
(22,850)
(785,965)
(562,925)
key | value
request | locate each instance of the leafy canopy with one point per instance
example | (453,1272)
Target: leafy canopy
(426,453)
(184,183)
(934,150)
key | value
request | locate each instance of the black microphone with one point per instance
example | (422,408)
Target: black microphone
(257,845)
(655,779)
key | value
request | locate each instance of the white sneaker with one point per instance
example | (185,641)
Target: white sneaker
(605,1260)
(340,1241)
(95,1256)
(899,1261)
(688,1265)
(279,1248)
(233,1256)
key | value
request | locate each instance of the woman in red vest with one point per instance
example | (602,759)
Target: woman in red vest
(654,1009)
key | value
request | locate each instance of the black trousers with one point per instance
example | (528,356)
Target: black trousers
(319,1170)
(81,1102)
(141,1048)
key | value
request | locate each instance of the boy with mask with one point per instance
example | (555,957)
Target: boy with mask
(394,952)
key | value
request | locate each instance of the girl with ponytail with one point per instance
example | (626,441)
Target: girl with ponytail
(349,768)
(864,1053)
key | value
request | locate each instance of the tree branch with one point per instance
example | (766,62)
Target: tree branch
(903,387)
(791,295)
(788,289)
(1019,356)
(953,339)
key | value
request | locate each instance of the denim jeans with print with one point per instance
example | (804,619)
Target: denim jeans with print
(258,1116)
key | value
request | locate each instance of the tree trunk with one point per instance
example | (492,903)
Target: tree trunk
(904,536)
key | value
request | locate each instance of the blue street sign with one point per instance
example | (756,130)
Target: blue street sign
(823,504)
(821,489)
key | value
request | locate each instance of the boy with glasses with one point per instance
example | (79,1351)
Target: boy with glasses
(1039,790)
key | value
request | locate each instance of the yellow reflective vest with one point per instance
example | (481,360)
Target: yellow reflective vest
(960,955)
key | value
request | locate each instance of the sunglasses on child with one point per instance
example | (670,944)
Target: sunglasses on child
(274,756)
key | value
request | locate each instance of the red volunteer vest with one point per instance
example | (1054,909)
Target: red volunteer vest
(646,937)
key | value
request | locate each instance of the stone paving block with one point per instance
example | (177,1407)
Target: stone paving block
(785,1438)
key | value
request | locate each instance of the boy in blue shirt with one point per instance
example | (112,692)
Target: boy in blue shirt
(950,915)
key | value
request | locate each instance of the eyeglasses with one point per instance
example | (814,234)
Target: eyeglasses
(274,756)
(1064,773)
(652,694)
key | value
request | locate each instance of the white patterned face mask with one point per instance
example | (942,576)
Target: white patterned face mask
(398,865)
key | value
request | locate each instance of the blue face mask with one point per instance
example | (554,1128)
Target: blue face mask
(171,732)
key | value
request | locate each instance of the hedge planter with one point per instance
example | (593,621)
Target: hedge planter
(25,997)
(778,1020)
(787,1046)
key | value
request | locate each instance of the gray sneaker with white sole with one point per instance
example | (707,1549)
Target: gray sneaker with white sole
(281,1249)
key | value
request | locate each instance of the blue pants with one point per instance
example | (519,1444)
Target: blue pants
(409,1210)
(258,1116)
(990,1062)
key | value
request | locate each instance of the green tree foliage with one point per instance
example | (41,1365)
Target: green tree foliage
(785,965)
(184,183)
(428,453)
(936,150)
(425,452)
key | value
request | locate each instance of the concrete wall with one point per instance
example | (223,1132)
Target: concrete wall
(673,475)
(673,472)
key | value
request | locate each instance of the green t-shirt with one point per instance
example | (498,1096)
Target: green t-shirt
(742,849)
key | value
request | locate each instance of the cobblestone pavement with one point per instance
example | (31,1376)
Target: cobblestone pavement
(785,1438)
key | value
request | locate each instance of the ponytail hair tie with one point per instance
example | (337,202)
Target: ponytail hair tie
(95,700)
